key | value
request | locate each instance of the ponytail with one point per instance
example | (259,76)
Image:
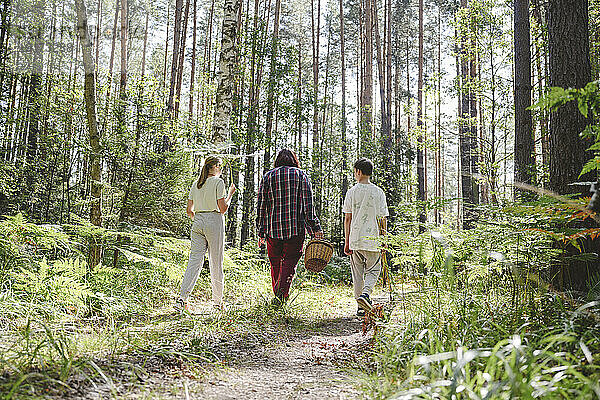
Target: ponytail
(210,162)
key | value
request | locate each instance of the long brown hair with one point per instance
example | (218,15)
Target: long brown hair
(210,162)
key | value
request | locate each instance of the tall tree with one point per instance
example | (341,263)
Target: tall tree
(225,75)
(316,154)
(421,178)
(251,131)
(569,64)
(469,188)
(124,26)
(181,58)
(524,144)
(92,122)
(366,97)
(34,101)
(193,69)
(175,56)
(271,89)
(343,110)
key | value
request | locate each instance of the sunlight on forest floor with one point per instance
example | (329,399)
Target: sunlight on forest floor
(461,325)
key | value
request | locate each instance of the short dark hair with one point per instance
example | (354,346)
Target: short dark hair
(365,166)
(287,158)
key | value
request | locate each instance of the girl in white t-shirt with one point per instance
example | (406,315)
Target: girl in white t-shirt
(206,205)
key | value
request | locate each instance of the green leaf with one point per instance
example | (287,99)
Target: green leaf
(582,104)
(590,166)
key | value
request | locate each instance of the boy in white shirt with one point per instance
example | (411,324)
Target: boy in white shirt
(364,204)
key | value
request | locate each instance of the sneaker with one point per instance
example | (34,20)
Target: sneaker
(364,302)
(277,302)
(360,312)
(182,305)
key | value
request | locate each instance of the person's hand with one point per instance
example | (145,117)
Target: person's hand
(232,189)
(261,241)
(347,250)
(318,235)
(191,214)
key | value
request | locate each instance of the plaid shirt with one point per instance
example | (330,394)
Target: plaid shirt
(285,204)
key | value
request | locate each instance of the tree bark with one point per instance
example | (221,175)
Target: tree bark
(467,124)
(180,64)
(422,194)
(193,72)
(569,51)
(343,110)
(226,71)
(175,57)
(524,145)
(124,29)
(34,98)
(366,102)
(251,133)
(271,90)
(98,34)
(92,121)
(381,68)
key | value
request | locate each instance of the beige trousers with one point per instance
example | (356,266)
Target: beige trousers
(366,267)
(208,234)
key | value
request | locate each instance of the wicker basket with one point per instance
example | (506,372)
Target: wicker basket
(317,254)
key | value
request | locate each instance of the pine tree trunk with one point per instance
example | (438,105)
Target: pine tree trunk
(111,61)
(299,100)
(343,110)
(524,146)
(467,125)
(316,154)
(164,77)
(98,33)
(34,98)
(180,64)
(438,122)
(193,71)
(251,132)
(124,24)
(569,51)
(388,92)
(92,121)
(144,48)
(385,129)
(542,77)
(175,57)
(366,103)
(206,60)
(422,194)
(271,90)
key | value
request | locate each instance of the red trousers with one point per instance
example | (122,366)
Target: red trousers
(284,256)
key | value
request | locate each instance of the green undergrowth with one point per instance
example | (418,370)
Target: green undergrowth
(62,322)
(481,321)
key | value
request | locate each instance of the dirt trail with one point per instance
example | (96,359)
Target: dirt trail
(302,366)
(285,360)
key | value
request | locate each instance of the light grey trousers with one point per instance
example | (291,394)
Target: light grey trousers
(208,233)
(366,267)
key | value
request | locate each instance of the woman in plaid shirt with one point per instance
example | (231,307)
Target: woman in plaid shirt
(285,212)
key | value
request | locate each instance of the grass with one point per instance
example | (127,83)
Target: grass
(62,322)
(472,329)
(472,317)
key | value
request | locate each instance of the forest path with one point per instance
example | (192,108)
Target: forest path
(291,364)
(291,356)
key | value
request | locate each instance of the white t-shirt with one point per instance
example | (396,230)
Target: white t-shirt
(205,198)
(366,202)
